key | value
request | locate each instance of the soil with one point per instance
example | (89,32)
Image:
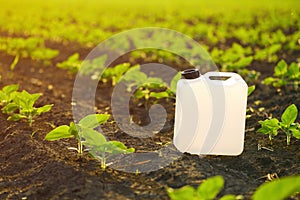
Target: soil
(32,168)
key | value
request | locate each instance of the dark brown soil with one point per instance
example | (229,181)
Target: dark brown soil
(32,168)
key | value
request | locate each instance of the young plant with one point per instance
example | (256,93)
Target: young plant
(237,59)
(284,75)
(85,67)
(279,189)
(72,63)
(7,95)
(208,190)
(287,125)
(115,73)
(85,135)
(24,103)
(102,149)
(150,86)
(85,127)
(29,47)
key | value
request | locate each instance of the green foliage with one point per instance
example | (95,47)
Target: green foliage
(236,59)
(79,131)
(86,136)
(115,73)
(27,47)
(93,67)
(278,189)
(24,103)
(72,64)
(251,90)
(102,149)
(268,53)
(150,87)
(208,190)
(284,75)
(20,105)
(287,125)
(7,94)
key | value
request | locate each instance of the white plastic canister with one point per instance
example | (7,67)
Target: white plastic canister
(210,113)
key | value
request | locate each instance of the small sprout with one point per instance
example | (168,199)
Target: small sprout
(115,73)
(284,74)
(7,95)
(209,189)
(20,105)
(79,131)
(24,103)
(287,124)
(27,47)
(72,63)
(279,188)
(94,141)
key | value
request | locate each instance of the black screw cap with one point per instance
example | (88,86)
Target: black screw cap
(190,74)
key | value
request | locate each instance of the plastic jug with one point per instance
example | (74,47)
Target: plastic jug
(210,113)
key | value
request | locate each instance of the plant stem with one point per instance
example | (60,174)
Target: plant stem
(288,139)
(15,62)
(103,161)
(30,120)
(80,147)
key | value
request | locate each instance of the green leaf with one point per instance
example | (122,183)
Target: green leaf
(92,137)
(120,147)
(140,93)
(157,82)
(16,117)
(279,83)
(72,63)
(185,193)
(10,108)
(159,95)
(281,68)
(228,197)
(293,71)
(289,115)
(45,108)
(173,84)
(243,62)
(270,123)
(93,120)
(278,189)
(10,88)
(59,133)
(296,133)
(264,130)
(135,75)
(210,188)
(269,80)
(251,89)
(73,130)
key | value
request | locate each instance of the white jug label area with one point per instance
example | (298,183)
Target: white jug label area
(210,113)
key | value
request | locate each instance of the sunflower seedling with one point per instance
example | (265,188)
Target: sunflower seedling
(284,74)
(6,97)
(24,103)
(287,125)
(102,149)
(84,128)
(86,136)
(208,190)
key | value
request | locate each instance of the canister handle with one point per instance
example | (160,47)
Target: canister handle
(232,76)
